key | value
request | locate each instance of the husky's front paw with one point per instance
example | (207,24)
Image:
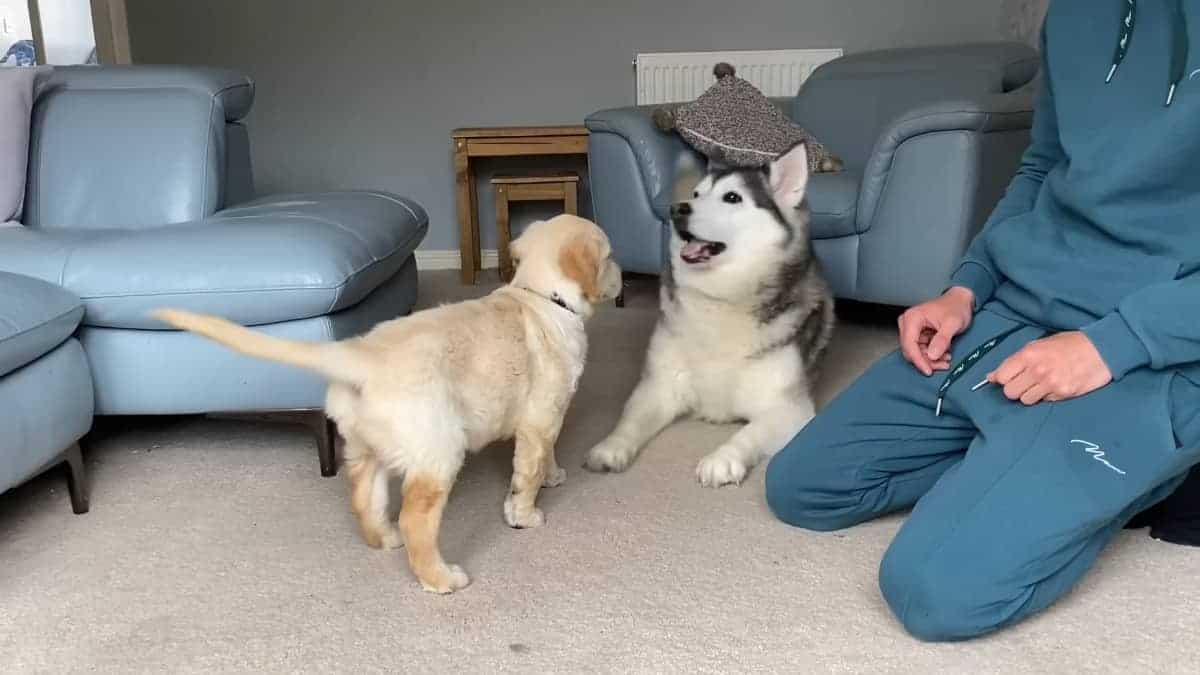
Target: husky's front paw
(722,467)
(522,518)
(610,456)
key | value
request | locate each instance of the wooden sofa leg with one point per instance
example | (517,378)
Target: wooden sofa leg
(321,426)
(326,432)
(326,442)
(76,479)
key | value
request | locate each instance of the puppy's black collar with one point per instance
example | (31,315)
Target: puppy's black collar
(553,297)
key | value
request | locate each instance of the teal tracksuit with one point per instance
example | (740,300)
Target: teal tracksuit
(1099,232)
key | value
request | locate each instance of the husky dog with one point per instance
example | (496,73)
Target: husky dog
(745,315)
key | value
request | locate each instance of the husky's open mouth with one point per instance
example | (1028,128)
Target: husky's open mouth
(696,250)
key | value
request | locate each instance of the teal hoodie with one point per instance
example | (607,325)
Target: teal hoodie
(1100,229)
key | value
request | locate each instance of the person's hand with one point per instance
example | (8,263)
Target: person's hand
(927,329)
(1056,368)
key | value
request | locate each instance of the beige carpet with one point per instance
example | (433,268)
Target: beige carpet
(213,545)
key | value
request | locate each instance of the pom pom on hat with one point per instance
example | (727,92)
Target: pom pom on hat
(723,70)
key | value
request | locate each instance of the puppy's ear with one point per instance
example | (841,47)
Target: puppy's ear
(789,177)
(580,261)
(515,249)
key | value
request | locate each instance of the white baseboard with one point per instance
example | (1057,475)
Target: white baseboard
(452,259)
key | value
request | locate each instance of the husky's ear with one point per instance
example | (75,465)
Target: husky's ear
(789,177)
(688,174)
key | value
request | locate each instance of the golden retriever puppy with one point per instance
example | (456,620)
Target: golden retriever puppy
(414,395)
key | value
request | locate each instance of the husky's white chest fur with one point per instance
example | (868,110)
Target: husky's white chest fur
(723,358)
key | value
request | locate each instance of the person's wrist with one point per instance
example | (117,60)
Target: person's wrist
(961,295)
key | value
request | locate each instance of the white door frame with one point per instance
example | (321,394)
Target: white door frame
(109,24)
(35,24)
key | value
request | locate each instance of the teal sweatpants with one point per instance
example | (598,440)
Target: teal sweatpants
(1011,504)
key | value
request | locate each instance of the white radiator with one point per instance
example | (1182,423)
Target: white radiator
(682,76)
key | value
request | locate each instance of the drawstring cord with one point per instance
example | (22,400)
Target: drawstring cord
(964,365)
(1180,44)
(1179,49)
(1123,38)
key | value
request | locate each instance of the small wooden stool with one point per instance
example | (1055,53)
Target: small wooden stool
(530,187)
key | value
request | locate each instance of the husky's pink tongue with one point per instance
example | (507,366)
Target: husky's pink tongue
(695,249)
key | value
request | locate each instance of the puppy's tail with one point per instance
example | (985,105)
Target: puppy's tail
(335,360)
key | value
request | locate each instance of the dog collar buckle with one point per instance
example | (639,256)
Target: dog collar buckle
(557,299)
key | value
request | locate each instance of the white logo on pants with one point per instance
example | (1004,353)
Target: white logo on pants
(1097,454)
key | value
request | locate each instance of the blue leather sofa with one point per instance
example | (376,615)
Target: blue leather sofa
(930,138)
(140,195)
(45,385)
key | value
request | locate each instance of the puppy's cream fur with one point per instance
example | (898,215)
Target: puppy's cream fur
(414,395)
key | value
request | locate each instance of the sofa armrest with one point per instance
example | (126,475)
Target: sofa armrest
(656,152)
(985,113)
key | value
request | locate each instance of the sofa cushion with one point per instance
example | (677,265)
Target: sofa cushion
(131,146)
(218,378)
(851,112)
(833,201)
(35,317)
(16,102)
(279,259)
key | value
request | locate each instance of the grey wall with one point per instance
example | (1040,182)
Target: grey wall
(364,93)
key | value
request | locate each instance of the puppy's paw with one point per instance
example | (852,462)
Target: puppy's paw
(451,578)
(522,518)
(555,478)
(610,456)
(383,537)
(722,467)
(391,539)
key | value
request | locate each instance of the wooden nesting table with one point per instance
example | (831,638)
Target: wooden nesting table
(499,142)
(533,186)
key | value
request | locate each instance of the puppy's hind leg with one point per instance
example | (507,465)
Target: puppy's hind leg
(553,475)
(369,496)
(425,495)
(765,434)
(657,401)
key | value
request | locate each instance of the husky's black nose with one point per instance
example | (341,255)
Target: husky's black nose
(681,209)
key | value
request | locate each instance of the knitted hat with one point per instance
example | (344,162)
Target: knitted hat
(734,124)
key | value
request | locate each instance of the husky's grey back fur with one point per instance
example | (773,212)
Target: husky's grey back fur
(796,292)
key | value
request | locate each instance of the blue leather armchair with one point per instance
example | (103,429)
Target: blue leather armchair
(930,138)
(140,195)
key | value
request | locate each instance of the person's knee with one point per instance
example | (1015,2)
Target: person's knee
(935,602)
(802,490)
